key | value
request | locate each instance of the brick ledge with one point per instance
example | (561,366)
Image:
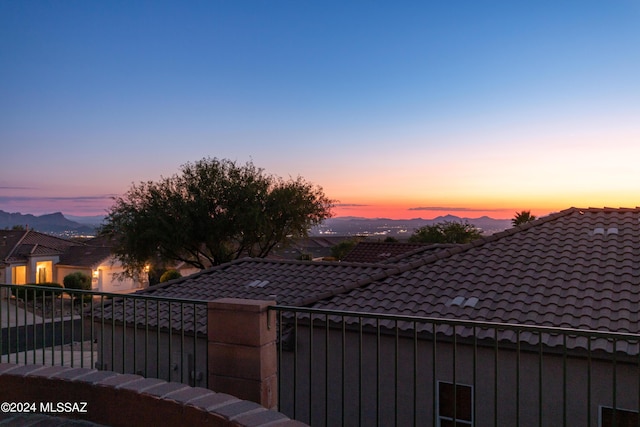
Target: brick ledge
(131,400)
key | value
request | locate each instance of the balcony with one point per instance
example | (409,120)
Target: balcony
(338,368)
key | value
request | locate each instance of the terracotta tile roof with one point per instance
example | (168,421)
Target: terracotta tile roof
(18,245)
(52,242)
(579,268)
(8,240)
(21,243)
(85,256)
(387,252)
(315,246)
(287,282)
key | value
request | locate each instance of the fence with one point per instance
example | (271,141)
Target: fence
(346,368)
(126,333)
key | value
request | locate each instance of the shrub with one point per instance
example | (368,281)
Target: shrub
(170,275)
(77,280)
(26,293)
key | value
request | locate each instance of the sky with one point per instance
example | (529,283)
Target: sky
(397,109)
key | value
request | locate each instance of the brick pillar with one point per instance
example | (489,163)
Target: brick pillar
(242,350)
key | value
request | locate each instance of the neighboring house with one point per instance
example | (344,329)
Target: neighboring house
(312,246)
(98,262)
(579,268)
(390,252)
(287,282)
(28,256)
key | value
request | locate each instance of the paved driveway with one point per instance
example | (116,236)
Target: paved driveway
(10,315)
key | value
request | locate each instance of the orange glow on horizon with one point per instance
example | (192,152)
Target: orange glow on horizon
(496,211)
(406,212)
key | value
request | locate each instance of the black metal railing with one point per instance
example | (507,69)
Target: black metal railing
(352,368)
(128,333)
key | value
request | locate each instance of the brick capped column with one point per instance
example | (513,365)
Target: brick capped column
(242,350)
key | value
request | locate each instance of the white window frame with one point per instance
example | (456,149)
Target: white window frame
(457,420)
(601,407)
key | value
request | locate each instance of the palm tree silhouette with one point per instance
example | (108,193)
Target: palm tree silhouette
(522,218)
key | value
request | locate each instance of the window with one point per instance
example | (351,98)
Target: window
(19,275)
(455,409)
(44,271)
(624,417)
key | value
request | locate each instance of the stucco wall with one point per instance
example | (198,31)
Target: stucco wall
(372,381)
(170,358)
(111,281)
(62,272)
(363,374)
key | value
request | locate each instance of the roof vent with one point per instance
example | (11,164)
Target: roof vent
(604,232)
(258,284)
(463,302)
(471,302)
(456,301)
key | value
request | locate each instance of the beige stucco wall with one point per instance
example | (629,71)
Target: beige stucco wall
(107,279)
(413,379)
(62,272)
(110,279)
(153,354)
(375,385)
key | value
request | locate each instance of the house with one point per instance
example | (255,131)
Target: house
(288,282)
(578,269)
(391,252)
(536,325)
(310,247)
(28,256)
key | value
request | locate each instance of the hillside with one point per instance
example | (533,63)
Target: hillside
(54,223)
(58,224)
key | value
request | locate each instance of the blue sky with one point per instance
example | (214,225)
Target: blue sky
(478,106)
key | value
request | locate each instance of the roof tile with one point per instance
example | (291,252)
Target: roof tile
(554,271)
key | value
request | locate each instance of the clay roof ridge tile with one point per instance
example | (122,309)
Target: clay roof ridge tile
(376,276)
(412,265)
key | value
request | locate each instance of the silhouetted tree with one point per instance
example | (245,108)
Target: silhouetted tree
(212,212)
(341,250)
(446,232)
(522,218)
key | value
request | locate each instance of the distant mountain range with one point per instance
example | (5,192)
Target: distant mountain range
(59,224)
(54,223)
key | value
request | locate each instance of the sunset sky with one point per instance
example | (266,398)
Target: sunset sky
(397,109)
